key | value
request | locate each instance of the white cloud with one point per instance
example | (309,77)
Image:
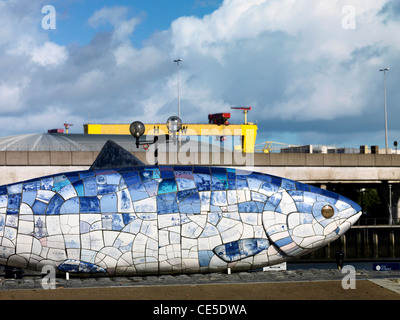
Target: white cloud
(139,60)
(10,97)
(317,85)
(49,54)
(290,59)
(118,17)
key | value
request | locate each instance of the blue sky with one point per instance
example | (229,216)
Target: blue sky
(309,68)
(155,15)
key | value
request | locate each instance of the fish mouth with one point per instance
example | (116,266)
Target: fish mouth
(349,223)
(353,219)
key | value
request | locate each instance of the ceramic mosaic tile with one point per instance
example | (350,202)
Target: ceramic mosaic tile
(165,219)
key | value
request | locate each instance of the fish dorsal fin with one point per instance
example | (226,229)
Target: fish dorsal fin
(113,155)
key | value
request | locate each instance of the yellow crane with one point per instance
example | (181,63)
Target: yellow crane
(247,132)
(245,112)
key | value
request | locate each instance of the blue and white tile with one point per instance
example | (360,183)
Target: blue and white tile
(53,225)
(145,205)
(205,198)
(169,220)
(124,201)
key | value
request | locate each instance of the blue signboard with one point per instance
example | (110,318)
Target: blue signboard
(386,266)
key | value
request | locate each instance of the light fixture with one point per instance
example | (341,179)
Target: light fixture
(137,129)
(174,124)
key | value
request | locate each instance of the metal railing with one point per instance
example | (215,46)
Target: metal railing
(376,222)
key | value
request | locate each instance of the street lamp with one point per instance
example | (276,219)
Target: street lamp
(179,99)
(174,124)
(390,204)
(137,129)
(386,135)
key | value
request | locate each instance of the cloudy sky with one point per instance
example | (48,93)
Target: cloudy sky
(309,68)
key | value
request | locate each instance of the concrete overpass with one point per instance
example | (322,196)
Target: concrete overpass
(308,168)
(360,170)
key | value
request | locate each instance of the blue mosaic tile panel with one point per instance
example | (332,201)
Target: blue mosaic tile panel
(165,219)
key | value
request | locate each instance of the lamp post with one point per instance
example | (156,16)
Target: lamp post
(390,204)
(179,98)
(384,79)
(174,125)
(137,129)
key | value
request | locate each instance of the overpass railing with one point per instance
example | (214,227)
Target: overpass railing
(375,222)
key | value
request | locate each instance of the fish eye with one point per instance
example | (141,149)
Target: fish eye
(327,211)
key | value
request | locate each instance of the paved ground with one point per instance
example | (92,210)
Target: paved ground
(311,284)
(323,290)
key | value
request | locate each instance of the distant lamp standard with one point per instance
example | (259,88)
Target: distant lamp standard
(390,204)
(179,98)
(386,135)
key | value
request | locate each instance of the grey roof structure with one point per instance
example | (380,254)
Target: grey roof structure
(89,142)
(60,142)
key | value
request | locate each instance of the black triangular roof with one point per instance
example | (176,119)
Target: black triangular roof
(113,155)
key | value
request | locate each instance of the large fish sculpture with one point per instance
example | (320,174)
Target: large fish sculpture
(121,217)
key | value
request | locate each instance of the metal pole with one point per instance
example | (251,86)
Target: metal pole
(386,138)
(179,98)
(390,204)
(384,81)
(155,142)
